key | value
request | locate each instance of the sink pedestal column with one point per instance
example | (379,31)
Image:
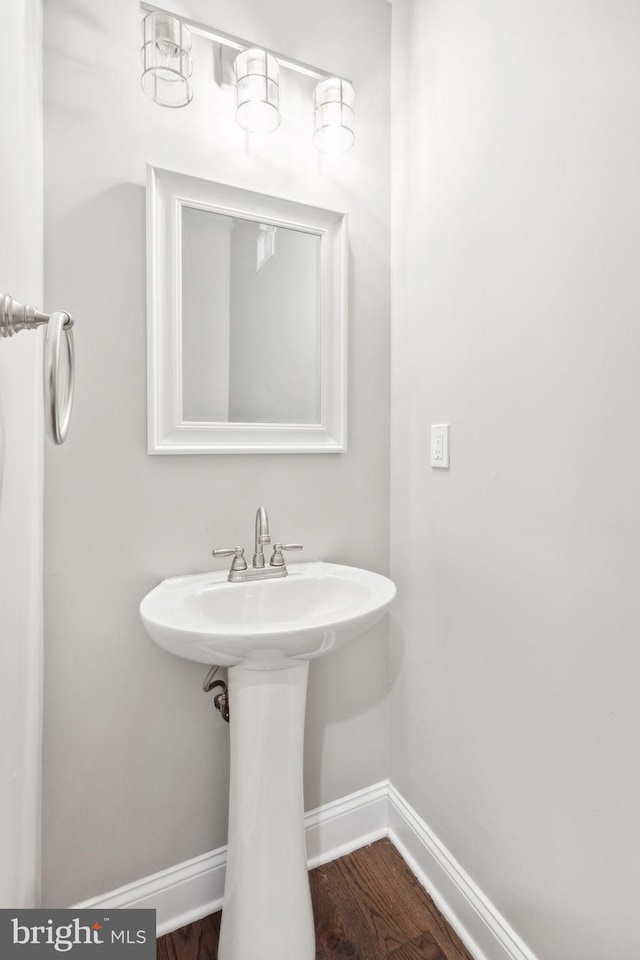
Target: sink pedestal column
(267,911)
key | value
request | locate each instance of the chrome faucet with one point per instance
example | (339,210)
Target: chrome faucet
(262,537)
(239,571)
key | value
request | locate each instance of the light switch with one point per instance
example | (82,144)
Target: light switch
(440,445)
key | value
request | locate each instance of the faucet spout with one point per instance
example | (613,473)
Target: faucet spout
(262,537)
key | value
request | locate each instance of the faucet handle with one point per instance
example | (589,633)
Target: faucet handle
(239,562)
(277,560)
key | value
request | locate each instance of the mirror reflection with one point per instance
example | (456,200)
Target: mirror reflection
(251,313)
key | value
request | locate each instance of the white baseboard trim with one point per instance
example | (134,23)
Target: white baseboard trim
(194,889)
(342,826)
(480,926)
(179,895)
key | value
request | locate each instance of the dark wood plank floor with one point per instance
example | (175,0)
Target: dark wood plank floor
(367,906)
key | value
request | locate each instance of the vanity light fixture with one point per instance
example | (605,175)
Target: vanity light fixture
(167,69)
(258,89)
(333,99)
(166,60)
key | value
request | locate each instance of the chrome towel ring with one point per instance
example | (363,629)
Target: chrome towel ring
(58,396)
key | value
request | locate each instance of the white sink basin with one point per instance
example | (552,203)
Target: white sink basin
(265,624)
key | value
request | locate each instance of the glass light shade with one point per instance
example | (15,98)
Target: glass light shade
(334,117)
(258,91)
(166,60)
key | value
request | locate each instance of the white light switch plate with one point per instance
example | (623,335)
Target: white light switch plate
(440,445)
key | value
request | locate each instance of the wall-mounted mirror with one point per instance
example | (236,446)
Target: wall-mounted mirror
(247,321)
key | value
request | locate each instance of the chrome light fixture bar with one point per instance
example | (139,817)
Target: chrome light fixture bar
(238,43)
(167,78)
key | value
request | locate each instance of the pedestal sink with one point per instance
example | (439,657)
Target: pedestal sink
(266,631)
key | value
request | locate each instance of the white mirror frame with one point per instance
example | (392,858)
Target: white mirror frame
(168,432)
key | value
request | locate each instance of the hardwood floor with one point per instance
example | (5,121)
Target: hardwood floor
(367,906)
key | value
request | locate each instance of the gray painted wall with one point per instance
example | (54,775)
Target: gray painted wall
(136,765)
(21,457)
(515,645)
